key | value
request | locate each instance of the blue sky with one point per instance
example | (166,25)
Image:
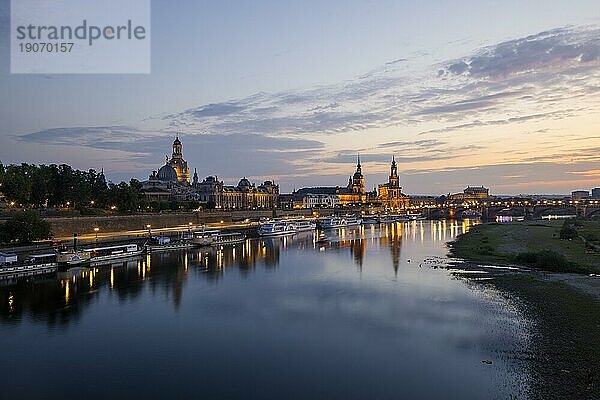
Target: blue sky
(465,92)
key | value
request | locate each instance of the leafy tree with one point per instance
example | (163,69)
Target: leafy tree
(25,227)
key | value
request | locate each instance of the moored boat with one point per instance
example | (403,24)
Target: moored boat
(277,228)
(100,254)
(216,237)
(371,220)
(387,219)
(163,243)
(205,238)
(331,222)
(38,262)
(228,238)
(303,225)
(352,221)
(73,257)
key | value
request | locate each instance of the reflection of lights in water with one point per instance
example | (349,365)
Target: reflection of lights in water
(67,291)
(91,273)
(11,300)
(112,277)
(138,269)
(206,261)
(148,262)
(421,232)
(444,229)
(233,253)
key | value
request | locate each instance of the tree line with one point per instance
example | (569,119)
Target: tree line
(61,186)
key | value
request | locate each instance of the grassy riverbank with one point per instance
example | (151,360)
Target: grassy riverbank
(533,244)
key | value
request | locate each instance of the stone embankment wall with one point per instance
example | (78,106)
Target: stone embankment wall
(66,226)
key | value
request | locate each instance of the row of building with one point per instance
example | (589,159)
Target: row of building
(172,182)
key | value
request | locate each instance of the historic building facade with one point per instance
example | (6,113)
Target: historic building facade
(245,195)
(390,194)
(354,193)
(172,182)
(177,162)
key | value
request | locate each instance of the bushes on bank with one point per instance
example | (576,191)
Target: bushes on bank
(548,260)
(568,231)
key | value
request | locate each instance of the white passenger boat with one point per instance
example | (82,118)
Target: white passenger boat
(228,238)
(352,221)
(402,218)
(205,238)
(73,257)
(163,243)
(215,237)
(100,254)
(303,225)
(38,262)
(276,228)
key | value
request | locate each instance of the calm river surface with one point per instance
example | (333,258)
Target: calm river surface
(373,316)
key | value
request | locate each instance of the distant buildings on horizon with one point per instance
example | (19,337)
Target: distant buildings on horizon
(172,182)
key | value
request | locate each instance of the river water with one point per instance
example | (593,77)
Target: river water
(375,315)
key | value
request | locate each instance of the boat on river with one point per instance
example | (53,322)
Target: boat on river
(73,257)
(216,238)
(34,263)
(164,243)
(109,253)
(303,225)
(277,228)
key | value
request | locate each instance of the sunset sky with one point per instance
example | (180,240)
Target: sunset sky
(502,94)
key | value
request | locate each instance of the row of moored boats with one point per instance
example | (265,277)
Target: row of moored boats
(100,255)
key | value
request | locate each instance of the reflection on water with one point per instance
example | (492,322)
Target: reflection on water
(268,318)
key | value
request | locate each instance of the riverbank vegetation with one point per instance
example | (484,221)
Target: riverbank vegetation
(569,246)
(24,227)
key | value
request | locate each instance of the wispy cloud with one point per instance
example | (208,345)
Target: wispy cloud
(424,116)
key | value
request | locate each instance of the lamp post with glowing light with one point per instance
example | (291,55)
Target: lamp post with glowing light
(96,229)
(149,227)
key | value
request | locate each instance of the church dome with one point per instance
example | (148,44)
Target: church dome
(166,173)
(244,183)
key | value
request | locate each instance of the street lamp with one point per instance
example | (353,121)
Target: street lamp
(96,229)
(149,227)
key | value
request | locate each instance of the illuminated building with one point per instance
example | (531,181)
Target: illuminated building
(390,194)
